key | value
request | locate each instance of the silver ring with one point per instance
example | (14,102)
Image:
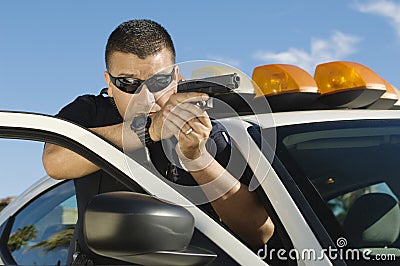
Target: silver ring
(187,132)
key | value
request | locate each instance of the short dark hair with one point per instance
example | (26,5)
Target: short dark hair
(141,37)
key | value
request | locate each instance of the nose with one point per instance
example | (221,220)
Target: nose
(144,101)
(145,92)
(161,97)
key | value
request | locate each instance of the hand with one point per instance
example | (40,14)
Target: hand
(193,136)
(179,114)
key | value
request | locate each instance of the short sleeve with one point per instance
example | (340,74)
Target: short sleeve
(219,144)
(81,111)
(229,157)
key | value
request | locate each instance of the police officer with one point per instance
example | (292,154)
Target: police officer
(138,51)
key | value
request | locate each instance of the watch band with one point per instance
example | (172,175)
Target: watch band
(147,140)
(143,133)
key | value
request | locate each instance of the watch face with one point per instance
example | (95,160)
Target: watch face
(139,122)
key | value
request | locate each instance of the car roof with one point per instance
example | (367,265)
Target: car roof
(270,120)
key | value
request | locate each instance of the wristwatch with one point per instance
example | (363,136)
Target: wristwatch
(140,125)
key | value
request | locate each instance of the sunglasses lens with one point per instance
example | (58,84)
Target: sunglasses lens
(127,84)
(159,82)
(129,88)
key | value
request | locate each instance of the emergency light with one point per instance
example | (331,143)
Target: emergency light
(286,87)
(337,84)
(348,84)
(281,78)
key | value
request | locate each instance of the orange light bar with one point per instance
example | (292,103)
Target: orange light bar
(390,92)
(276,79)
(348,84)
(338,76)
(387,100)
(396,105)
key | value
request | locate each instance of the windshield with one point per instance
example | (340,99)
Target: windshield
(349,172)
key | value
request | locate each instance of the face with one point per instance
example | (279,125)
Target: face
(130,66)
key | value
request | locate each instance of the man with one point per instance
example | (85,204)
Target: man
(135,51)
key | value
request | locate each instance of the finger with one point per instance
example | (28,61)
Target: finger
(182,113)
(202,118)
(187,130)
(169,129)
(193,107)
(189,138)
(188,97)
(177,119)
(187,111)
(183,119)
(205,120)
(161,123)
(199,128)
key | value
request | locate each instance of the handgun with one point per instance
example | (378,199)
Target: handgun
(213,86)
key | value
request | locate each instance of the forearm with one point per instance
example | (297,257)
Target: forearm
(62,163)
(238,208)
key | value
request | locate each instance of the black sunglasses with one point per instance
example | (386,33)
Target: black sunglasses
(155,83)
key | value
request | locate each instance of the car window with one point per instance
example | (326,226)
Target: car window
(42,231)
(353,168)
(340,205)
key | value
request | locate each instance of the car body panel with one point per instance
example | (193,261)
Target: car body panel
(271,120)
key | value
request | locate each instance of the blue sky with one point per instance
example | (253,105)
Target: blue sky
(53,51)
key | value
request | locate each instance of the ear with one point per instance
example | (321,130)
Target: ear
(108,82)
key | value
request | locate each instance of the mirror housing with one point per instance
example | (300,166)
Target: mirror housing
(142,229)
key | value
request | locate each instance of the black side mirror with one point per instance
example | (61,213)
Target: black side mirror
(141,229)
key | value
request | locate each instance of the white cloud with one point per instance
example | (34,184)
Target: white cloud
(387,9)
(337,47)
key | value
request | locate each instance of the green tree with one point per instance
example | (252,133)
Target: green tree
(57,240)
(21,237)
